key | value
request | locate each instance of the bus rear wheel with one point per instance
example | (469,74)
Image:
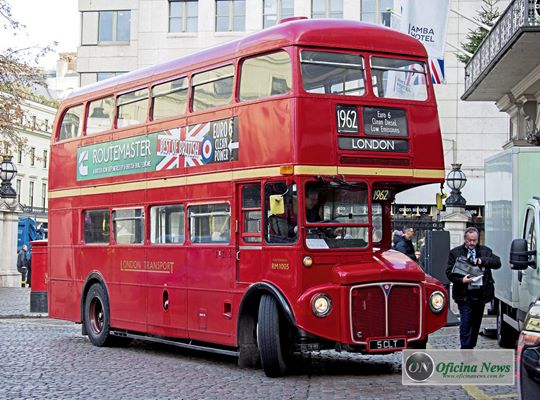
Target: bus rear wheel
(273,337)
(97,316)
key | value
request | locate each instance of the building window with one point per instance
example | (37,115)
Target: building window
(18,190)
(44,195)
(114,26)
(32,156)
(377,11)
(230,15)
(31,194)
(19,155)
(100,76)
(183,15)
(275,10)
(327,9)
(45,154)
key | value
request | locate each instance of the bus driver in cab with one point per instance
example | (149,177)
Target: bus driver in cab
(313,208)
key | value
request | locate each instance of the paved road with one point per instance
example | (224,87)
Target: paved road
(46,358)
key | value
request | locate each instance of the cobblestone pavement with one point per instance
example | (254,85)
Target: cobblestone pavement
(45,358)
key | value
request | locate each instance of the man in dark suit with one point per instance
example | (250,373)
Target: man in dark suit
(471,293)
(405,244)
(24,266)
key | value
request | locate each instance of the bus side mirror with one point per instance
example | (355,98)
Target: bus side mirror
(277,205)
(519,255)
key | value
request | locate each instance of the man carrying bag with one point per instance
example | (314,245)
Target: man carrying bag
(469,269)
(24,266)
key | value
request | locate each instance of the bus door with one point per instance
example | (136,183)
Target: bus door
(167,286)
(249,232)
(280,232)
(210,271)
(127,287)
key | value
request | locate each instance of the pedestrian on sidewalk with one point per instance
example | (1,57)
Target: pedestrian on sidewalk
(24,266)
(405,244)
(472,293)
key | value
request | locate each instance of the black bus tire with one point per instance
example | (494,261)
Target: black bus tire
(419,344)
(272,337)
(97,316)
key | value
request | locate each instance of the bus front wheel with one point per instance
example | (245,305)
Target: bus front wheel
(273,337)
(97,316)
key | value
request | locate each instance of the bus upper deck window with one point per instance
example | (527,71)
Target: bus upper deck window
(265,76)
(332,73)
(170,99)
(399,79)
(72,123)
(132,108)
(213,88)
(100,115)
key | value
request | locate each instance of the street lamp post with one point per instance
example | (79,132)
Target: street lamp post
(7,172)
(9,222)
(456,181)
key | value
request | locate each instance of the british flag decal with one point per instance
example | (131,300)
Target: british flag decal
(199,144)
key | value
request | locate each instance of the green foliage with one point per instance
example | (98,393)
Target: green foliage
(488,15)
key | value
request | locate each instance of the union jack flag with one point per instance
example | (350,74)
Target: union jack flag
(436,66)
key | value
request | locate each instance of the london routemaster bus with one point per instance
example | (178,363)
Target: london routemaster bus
(239,199)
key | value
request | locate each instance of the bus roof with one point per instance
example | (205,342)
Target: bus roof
(334,33)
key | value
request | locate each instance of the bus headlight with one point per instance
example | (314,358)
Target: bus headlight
(321,305)
(437,301)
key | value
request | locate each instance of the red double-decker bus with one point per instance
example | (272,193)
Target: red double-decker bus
(239,199)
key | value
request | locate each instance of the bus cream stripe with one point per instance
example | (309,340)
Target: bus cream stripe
(256,173)
(244,174)
(429,173)
(315,170)
(210,178)
(375,171)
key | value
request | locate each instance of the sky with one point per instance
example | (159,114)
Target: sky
(46,21)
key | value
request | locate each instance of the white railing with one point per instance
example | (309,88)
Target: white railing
(519,14)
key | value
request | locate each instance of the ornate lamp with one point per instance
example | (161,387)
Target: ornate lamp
(7,172)
(456,181)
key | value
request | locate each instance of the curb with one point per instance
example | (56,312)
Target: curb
(24,316)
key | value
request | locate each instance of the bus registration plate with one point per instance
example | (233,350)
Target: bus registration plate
(387,344)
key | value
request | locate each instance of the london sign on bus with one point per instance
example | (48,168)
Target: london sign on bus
(238,200)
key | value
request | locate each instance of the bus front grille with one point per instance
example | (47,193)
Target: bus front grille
(385,310)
